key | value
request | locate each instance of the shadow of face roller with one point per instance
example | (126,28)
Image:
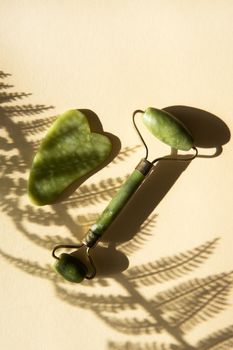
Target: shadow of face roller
(108,261)
(208,130)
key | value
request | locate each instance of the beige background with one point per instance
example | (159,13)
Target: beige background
(112,57)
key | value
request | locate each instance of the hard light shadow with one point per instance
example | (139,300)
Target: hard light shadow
(174,311)
(208,130)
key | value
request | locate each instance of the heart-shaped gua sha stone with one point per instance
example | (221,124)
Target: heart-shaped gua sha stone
(69,151)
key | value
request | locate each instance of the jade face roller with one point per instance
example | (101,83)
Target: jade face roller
(43,189)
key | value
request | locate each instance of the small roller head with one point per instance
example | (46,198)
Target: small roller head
(71,268)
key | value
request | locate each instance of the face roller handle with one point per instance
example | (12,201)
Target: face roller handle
(117,202)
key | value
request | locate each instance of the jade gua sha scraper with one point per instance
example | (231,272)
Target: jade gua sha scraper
(70,150)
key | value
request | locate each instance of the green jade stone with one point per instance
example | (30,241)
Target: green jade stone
(167,129)
(68,151)
(117,202)
(71,268)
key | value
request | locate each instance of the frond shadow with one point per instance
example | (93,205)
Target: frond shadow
(98,303)
(145,346)
(220,340)
(195,301)
(125,153)
(175,311)
(94,193)
(4,75)
(32,268)
(25,110)
(170,268)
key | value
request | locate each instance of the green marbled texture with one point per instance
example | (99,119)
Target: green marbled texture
(71,268)
(68,152)
(167,129)
(117,202)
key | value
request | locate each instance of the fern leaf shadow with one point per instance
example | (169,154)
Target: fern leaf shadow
(146,346)
(170,268)
(175,311)
(219,340)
